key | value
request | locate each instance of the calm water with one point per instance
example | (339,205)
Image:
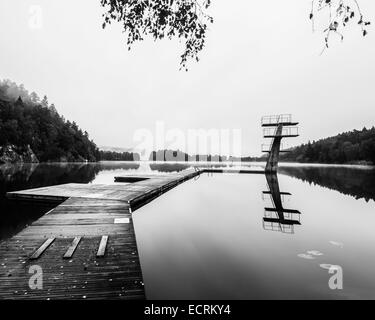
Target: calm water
(208,239)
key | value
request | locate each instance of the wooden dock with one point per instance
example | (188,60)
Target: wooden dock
(86,247)
(65,244)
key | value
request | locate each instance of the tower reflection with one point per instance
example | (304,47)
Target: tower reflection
(278,218)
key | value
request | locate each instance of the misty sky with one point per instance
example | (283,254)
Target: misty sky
(261,58)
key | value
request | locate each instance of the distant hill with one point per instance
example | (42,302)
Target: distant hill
(353,147)
(32,130)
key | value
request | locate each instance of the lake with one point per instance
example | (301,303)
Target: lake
(212,238)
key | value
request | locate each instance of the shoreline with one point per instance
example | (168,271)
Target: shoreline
(226,163)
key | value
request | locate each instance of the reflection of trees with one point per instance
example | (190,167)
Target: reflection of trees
(176,167)
(214,165)
(356,182)
(118,165)
(168,167)
(9,172)
(28,176)
(17,215)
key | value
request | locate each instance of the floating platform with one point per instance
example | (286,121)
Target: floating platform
(233,171)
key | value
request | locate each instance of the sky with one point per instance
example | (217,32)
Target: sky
(261,58)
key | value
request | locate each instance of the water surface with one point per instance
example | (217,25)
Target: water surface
(208,239)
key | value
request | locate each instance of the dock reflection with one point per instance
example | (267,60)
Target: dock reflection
(278,218)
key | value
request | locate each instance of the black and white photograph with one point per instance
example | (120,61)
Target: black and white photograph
(183,151)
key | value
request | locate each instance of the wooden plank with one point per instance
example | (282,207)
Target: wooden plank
(69,253)
(102,246)
(42,248)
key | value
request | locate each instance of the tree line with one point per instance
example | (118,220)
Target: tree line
(28,121)
(118,156)
(357,146)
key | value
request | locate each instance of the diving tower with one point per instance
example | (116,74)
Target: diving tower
(277,127)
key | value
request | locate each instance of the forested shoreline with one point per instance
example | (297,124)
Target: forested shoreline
(31,130)
(352,147)
(31,126)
